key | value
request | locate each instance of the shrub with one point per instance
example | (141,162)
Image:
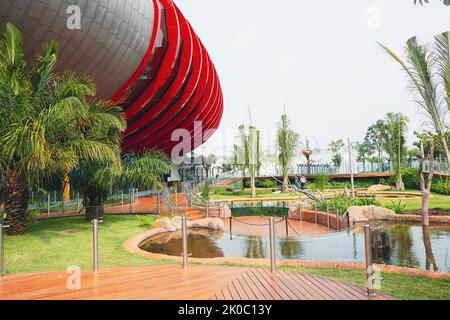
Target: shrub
(206,190)
(269,184)
(146,221)
(410,178)
(343,202)
(397,206)
(441,187)
(322,181)
(262,183)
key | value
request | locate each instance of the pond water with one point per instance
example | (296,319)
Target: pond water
(392,243)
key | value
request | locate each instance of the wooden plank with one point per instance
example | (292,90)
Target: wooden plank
(172,282)
(269,283)
(250,294)
(330,293)
(295,287)
(276,278)
(267,293)
(314,290)
(338,291)
(258,294)
(242,294)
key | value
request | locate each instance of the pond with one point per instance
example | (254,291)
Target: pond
(403,244)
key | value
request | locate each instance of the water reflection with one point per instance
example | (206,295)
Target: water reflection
(397,244)
(255,248)
(290,248)
(429,260)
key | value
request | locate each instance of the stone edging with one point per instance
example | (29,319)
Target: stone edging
(132,245)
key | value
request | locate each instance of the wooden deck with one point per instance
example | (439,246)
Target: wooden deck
(171,282)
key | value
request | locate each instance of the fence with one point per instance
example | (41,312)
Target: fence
(133,201)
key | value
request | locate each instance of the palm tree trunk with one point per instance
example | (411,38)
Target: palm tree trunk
(15,192)
(252,181)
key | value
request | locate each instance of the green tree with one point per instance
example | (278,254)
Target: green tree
(248,153)
(336,147)
(374,138)
(42,122)
(208,162)
(288,143)
(364,150)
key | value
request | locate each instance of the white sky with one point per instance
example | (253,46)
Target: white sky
(320,57)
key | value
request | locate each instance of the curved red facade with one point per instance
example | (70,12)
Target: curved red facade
(175,85)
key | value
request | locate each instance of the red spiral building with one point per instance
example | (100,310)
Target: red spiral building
(143,54)
(175,85)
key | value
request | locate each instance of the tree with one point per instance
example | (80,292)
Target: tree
(336,147)
(429,71)
(42,117)
(288,142)
(248,154)
(364,150)
(425,186)
(395,125)
(95,178)
(308,153)
(208,162)
(445,2)
(374,138)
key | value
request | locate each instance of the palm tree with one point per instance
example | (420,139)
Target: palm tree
(253,158)
(95,178)
(288,142)
(147,169)
(395,125)
(421,68)
(41,123)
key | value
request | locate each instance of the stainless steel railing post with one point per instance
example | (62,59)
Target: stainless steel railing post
(273,262)
(338,226)
(185,241)
(368,255)
(287,226)
(158,202)
(315,213)
(95,238)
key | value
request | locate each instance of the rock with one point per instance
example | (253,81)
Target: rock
(166,224)
(176,221)
(209,223)
(379,187)
(366,213)
(223,213)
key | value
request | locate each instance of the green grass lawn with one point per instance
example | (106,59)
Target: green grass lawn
(414,204)
(402,286)
(47,245)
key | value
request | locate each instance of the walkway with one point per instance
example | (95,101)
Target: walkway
(171,282)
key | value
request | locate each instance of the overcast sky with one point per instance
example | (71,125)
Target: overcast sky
(319,57)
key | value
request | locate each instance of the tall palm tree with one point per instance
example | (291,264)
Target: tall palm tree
(253,158)
(421,66)
(288,142)
(39,110)
(395,125)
